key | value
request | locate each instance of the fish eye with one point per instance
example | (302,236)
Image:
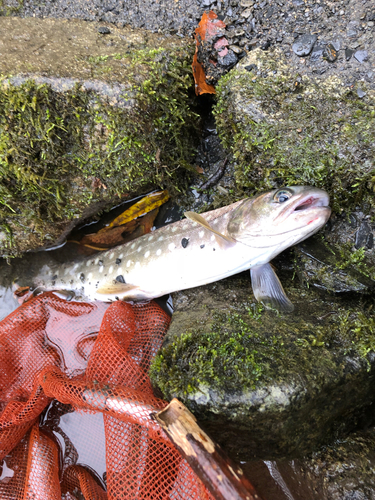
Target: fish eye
(282,195)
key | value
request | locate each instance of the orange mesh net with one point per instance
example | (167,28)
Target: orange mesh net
(75,404)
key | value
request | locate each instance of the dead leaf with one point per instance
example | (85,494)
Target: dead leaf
(208,27)
(120,234)
(143,206)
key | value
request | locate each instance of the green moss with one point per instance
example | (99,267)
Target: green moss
(243,349)
(53,145)
(286,130)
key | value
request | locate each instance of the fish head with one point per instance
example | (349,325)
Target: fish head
(280,218)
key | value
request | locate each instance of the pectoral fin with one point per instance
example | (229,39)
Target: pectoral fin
(268,289)
(202,221)
(116,288)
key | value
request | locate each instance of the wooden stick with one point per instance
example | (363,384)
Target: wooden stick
(222,477)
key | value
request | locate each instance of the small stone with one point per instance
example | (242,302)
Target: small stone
(360,93)
(330,53)
(229,60)
(103,30)
(206,3)
(370,24)
(336,44)
(236,50)
(351,32)
(348,53)
(251,67)
(304,45)
(265,45)
(317,53)
(247,13)
(246,3)
(362,235)
(361,55)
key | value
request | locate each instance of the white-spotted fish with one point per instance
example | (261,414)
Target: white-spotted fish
(201,249)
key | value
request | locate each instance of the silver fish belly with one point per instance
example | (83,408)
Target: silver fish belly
(190,253)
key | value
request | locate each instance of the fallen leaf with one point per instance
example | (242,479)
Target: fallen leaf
(118,235)
(208,27)
(146,204)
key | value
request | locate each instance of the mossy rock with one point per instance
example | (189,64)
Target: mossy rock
(87,120)
(285,129)
(267,384)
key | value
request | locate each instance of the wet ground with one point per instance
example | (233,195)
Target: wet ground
(317,36)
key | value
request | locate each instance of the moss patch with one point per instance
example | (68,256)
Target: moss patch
(61,139)
(284,129)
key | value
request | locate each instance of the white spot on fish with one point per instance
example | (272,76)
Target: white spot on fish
(121,256)
(128,263)
(174,229)
(185,226)
(75,267)
(88,263)
(213,237)
(78,275)
(171,246)
(158,252)
(139,249)
(110,270)
(96,261)
(161,238)
(66,271)
(150,238)
(101,269)
(89,276)
(56,273)
(201,234)
(132,245)
(147,254)
(112,255)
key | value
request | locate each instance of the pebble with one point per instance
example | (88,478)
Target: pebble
(304,45)
(317,53)
(361,55)
(364,236)
(229,60)
(360,93)
(247,13)
(103,30)
(246,3)
(330,53)
(348,53)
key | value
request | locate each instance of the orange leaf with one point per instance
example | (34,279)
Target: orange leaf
(208,27)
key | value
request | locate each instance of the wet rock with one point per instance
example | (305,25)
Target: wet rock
(342,471)
(304,45)
(361,55)
(318,266)
(104,30)
(317,53)
(360,93)
(77,106)
(330,53)
(348,53)
(364,237)
(265,384)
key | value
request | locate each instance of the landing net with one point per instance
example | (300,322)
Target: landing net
(75,400)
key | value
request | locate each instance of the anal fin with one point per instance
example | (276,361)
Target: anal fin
(116,288)
(268,290)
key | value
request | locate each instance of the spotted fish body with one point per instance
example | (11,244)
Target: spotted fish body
(191,253)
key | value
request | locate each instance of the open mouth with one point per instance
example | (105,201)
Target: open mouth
(312,201)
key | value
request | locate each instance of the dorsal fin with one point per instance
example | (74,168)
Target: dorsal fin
(202,221)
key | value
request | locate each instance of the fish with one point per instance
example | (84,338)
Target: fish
(200,249)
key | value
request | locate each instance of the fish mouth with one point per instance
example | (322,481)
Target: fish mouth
(311,200)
